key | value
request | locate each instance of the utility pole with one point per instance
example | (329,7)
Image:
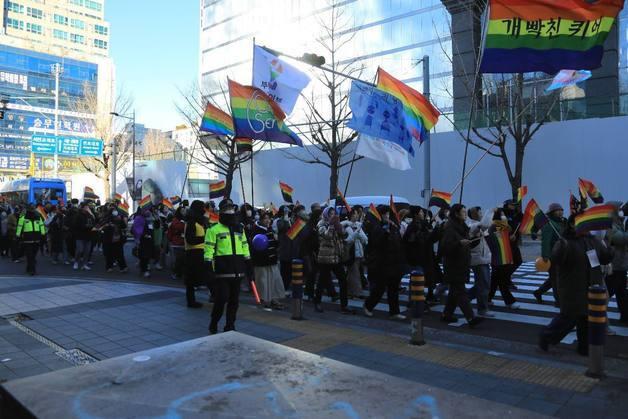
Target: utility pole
(427,152)
(56,69)
(114,166)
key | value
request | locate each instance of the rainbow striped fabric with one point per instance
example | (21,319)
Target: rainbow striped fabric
(440,199)
(216,121)
(166,203)
(296,228)
(117,197)
(286,192)
(123,209)
(588,188)
(373,211)
(89,195)
(42,211)
(145,202)
(257,116)
(217,189)
(244,145)
(533,218)
(547,35)
(340,199)
(213,217)
(521,193)
(421,115)
(501,249)
(595,218)
(175,200)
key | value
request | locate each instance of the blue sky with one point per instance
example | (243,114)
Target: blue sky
(154,44)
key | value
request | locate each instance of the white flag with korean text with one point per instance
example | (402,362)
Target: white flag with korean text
(387,152)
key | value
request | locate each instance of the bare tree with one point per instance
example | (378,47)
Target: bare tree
(326,118)
(104,128)
(156,143)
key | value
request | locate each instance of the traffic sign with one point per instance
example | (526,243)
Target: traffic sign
(67,146)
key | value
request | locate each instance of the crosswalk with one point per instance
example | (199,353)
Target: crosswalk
(530,311)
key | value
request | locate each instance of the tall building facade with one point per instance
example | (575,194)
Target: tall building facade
(37,36)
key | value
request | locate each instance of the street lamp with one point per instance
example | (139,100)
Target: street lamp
(132,119)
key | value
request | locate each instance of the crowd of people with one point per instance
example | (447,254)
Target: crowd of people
(367,250)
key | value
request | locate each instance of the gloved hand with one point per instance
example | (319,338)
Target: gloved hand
(209,269)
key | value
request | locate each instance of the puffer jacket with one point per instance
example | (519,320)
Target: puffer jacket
(617,237)
(330,244)
(480,252)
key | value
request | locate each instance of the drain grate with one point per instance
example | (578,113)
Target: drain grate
(74,356)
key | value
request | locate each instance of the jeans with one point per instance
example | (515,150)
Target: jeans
(82,251)
(481,286)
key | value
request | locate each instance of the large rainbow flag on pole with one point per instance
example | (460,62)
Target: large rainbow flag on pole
(216,121)
(547,35)
(587,187)
(421,115)
(595,218)
(440,199)
(257,116)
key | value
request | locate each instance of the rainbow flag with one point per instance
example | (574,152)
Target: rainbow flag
(42,212)
(216,121)
(273,209)
(420,114)
(595,218)
(521,193)
(440,199)
(340,197)
(373,211)
(166,203)
(89,195)
(217,190)
(296,228)
(176,200)
(547,35)
(244,145)
(533,218)
(588,188)
(213,217)
(117,197)
(146,203)
(257,116)
(393,209)
(501,249)
(286,192)
(123,209)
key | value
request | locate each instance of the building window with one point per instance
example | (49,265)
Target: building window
(99,43)
(59,34)
(36,13)
(15,24)
(34,28)
(78,2)
(15,7)
(77,39)
(61,20)
(77,23)
(94,5)
(101,30)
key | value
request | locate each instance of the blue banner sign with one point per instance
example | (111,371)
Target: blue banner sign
(67,146)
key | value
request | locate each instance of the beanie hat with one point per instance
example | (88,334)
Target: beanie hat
(555,207)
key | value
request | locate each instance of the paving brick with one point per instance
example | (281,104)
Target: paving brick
(505,398)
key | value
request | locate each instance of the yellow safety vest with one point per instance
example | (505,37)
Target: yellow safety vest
(199,233)
(228,250)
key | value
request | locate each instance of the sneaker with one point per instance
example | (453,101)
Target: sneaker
(449,319)
(397,317)
(89,262)
(147,274)
(87,268)
(159,267)
(17,260)
(367,312)
(475,321)
(75,267)
(487,314)
(67,262)
(513,306)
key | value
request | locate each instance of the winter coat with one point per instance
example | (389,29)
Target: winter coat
(11,225)
(356,238)
(269,256)
(416,241)
(285,244)
(617,237)
(114,231)
(549,236)
(575,273)
(330,244)
(175,232)
(480,252)
(82,226)
(385,251)
(456,257)
(4,226)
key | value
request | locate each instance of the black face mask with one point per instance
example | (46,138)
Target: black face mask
(230,220)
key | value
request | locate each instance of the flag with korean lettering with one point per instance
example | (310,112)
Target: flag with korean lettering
(547,35)
(282,81)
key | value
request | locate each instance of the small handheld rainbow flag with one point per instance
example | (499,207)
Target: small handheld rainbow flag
(213,217)
(501,250)
(286,191)
(440,199)
(89,195)
(521,193)
(373,211)
(176,200)
(296,228)
(393,209)
(146,203)
(166,203)
(118,198)
(41,211)
(533,218)
(217,190)
(588,188)
(595,218)
(244,145)
(342,200)
(123,209)
(216,121)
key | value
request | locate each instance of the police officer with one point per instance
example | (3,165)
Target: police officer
(30,231)
(226,255)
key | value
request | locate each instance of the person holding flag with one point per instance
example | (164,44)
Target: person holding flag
(550,234)
(502,268)
(617,238)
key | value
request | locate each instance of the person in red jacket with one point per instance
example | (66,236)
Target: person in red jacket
(175,238)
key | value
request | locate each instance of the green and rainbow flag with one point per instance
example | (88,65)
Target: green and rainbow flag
(145,202)
(296,228)
(286,192)
(216,121)
(587,187)
(501,249)
(217,190)
(257,116)
(595,218)
(420,114)
(547,35)
(533,218)
(440,199)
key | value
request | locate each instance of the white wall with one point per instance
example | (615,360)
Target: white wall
(595,149)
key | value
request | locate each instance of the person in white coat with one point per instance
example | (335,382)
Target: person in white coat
(355,245)
(480,258)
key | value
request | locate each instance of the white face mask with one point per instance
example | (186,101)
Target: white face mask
(621,214)
(504,218)
(229,211)
(114,213)
(249,213)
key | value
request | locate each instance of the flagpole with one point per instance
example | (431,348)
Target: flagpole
(252,154)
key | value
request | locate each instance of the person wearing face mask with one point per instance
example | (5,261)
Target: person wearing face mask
(113,239)
(500,274)
(226,253)
(550,234)
(617,238)
(455,248)
(267,276)
(355,248)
